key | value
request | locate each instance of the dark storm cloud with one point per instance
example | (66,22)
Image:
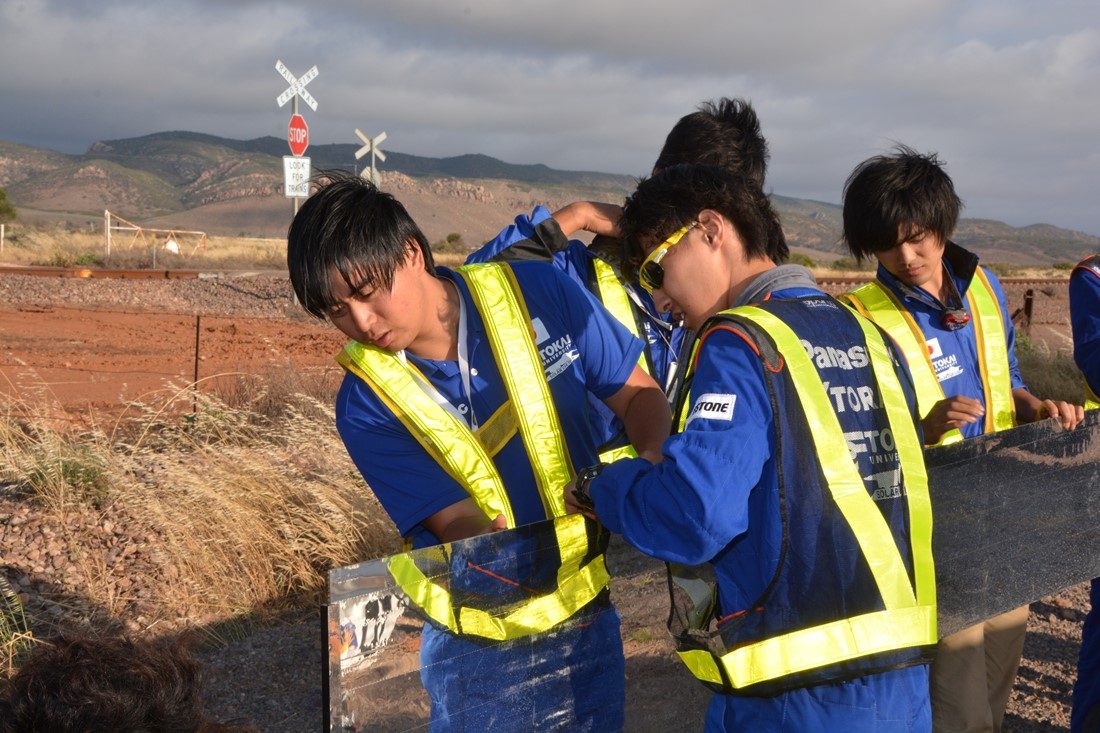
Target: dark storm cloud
(1006,94)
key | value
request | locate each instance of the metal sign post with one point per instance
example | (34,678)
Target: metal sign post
(297,131)
(370,146)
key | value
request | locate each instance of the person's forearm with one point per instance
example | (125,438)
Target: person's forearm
(647,421)
(588,216)
(1027,405)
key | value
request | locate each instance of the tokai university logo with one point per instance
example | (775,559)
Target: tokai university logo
(712,406)
(556,353)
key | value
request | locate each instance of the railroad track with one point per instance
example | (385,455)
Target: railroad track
(858,279)
(87,272)
(837,282)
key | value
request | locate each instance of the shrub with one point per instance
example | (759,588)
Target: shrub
(1049,375)
(1000,269)
(852,265)
(88,259)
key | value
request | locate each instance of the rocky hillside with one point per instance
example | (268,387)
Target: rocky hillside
(223,186)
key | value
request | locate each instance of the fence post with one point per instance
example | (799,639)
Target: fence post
(195,380)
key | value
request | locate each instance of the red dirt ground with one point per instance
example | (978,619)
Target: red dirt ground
(96,344)
(80,358)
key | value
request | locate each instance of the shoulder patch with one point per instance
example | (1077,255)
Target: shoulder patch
(712,406)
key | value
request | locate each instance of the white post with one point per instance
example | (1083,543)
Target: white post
(107,234)
(1,239)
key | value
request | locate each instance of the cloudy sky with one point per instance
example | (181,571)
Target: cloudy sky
(1007,91)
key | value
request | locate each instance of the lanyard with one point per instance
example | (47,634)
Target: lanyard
(463,369)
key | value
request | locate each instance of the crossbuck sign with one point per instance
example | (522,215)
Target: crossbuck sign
(370,146)
(297,86)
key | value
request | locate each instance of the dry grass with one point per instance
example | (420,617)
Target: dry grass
(61,247)
(14,635)
(247,502)
(1049,374)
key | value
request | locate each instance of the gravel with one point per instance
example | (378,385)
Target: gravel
(256,295)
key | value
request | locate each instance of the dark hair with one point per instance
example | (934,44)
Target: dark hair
(106,683)
(348,226)
(890,198)
(725,132)
(675,196)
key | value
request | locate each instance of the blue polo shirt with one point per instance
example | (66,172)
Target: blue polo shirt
(1084,314)
(583,350)
(955,353)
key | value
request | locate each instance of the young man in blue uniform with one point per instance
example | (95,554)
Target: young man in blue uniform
(465,408)
(950,319)
(724,132)
(1084,312)
(797,473)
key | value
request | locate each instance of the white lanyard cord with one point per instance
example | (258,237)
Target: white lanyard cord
(463,368)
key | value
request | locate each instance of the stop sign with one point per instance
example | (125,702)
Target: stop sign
(297,134)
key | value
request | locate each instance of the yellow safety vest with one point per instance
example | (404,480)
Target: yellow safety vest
(466,459)
(614,297)
(878,303)
(909,617)
(1092,402)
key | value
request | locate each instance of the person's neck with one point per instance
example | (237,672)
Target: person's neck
(744,276)
(937,285)
(438,337)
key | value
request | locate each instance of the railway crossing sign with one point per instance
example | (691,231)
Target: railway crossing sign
(297,135)
(370,146)
(297,86)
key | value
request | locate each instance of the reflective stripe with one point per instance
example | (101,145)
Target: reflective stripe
(1092,402)
(818,646)
(577,587)
(614,454)
(989,329)
(614,297)
(445,438)
(458,451)
(909,617)
(500,428)
(496,292)
(878,303)
(846,486)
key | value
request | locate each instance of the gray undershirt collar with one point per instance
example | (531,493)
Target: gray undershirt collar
(780,277)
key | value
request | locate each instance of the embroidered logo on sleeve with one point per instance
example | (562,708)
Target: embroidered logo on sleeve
(557,353)
(712,406)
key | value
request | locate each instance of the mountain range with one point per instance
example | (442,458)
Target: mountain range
(234,187)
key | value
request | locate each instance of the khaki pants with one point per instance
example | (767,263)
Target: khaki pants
(973,673)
